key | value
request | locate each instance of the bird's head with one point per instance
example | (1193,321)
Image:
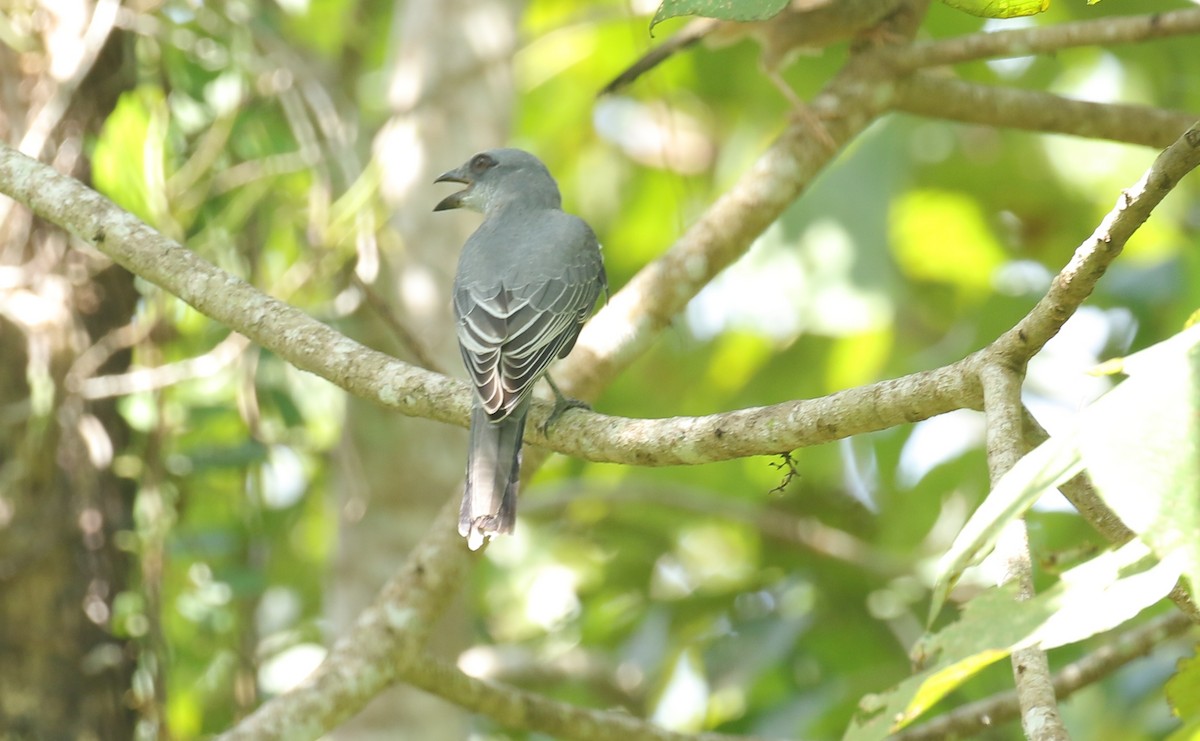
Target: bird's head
(498,177)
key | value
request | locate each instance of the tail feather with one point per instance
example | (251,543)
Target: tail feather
(489,504)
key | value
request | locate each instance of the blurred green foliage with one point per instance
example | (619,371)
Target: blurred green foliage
(733,596)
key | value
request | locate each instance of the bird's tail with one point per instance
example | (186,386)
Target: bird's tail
(489,504)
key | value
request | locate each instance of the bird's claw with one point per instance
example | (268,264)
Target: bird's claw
(561,405)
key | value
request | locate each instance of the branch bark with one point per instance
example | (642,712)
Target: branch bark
(935,96)
(1005,442)
(1048,39)
(314,347)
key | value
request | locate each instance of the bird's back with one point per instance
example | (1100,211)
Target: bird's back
(527,280)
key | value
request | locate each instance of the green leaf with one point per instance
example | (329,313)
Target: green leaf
(944,681)
(1183,690)
(726,10)
(1000,8)
(128,163)
(1094,597)
(1139,442)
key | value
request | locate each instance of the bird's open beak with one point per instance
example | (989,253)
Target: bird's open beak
(453,200)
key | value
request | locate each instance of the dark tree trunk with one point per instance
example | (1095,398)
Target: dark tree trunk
(63,672)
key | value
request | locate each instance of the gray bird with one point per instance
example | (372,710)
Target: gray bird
(527,280)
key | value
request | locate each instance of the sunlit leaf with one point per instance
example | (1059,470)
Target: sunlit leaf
(726,10)
(1183,690)
(1001,8)
(1091,598)
(944,681)
(1141,445)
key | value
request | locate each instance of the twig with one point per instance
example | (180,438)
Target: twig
(785,462)
(616,683)
(516,708)
(406,337)
(940,96)
(42,124)
(1040,40)
(1075,282)
(50,114)
(772,522)
(146,379)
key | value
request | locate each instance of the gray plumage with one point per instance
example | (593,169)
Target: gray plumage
(527,280)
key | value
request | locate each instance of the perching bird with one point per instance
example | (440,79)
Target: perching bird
(801,25)
(527,280)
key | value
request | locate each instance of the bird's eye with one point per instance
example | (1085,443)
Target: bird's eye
(481,162)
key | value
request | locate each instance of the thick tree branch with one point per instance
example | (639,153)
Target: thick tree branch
(942,96)
(1046,39)
(971,719)
(314,347)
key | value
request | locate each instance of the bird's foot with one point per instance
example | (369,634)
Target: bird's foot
(561,405)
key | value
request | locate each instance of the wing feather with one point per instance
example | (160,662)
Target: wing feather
(509,334)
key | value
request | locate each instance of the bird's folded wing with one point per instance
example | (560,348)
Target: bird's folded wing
(508,338)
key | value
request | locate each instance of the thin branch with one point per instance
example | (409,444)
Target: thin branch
(1005,442)
(973,718)
(941,96)
(616,683)
(43,123)
(50,114)
(147,379)
(519,709)
(1075,282)
(405,336)
(772,522)
(1048,39)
